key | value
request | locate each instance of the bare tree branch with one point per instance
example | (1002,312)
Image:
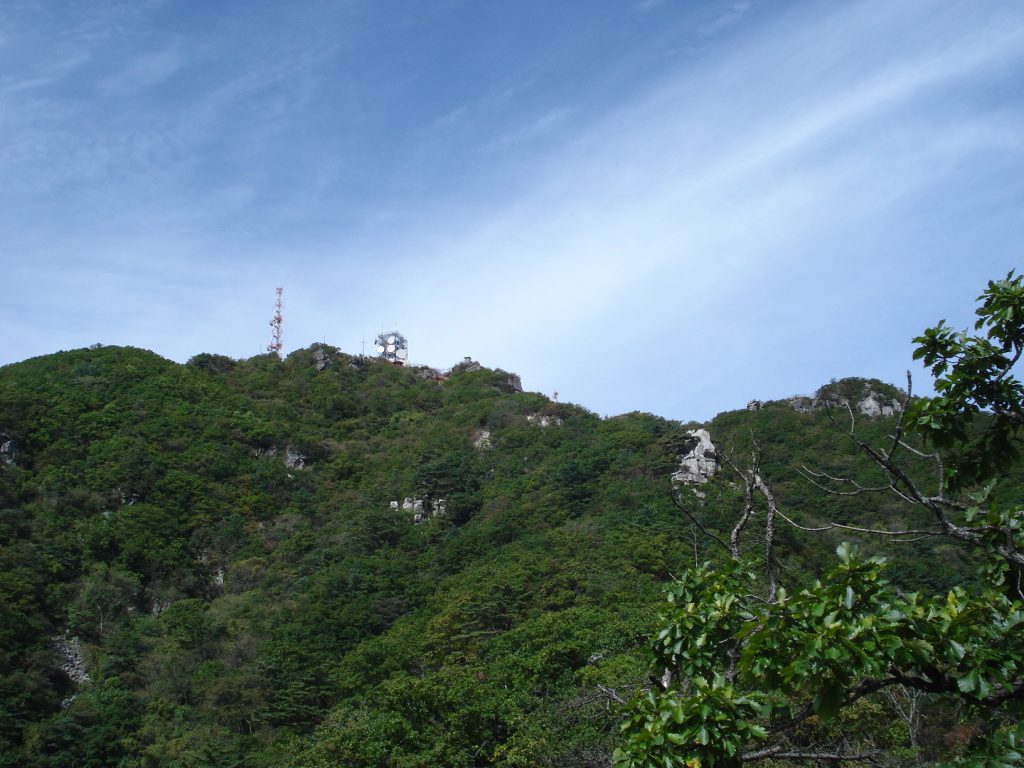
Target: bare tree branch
(778,754)
(769,537)
(695,521)
(748,496)
(905,488)
(857,529)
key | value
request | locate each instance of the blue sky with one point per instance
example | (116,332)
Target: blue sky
(669,206)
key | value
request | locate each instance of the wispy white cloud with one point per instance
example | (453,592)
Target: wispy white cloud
(648,5)
(697,204)
(730,17)
(741,221)
(530,132)
(147,70)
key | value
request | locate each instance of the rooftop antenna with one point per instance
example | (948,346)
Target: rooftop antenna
(275,344)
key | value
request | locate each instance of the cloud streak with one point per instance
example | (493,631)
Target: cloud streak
(660,194)
(732,205)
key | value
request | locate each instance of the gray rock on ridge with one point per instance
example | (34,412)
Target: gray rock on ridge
(874,406)
(802,404)
(514,382)
(468,365)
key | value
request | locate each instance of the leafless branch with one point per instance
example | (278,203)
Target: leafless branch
(769,537)
(612,694)
(748,496)
(710,534)
(810,474)
(777,753)
(918,452)
(905,488)
(857,529)
(897,437)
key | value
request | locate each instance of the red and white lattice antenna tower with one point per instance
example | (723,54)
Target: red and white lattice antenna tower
(275,325)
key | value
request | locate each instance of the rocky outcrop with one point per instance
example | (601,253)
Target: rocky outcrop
(321,357)
(467,365)
(294,460)
(426,372)
(698,462)
(867,397)
(482,440)
(543,421)
(875,405)
(72,661)
(422,509)
(755,405)
(7,450)
(802,404)
(513,383)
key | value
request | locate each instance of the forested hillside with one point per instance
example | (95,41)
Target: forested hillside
(332,560)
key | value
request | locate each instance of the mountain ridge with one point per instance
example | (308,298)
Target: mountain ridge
(227,541)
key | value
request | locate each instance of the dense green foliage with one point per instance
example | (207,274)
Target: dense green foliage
(233,609)
(973,377)
(226,545)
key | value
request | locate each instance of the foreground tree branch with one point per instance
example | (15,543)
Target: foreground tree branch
(743,676)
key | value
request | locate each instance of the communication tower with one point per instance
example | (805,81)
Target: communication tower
(392,346)
(275,325)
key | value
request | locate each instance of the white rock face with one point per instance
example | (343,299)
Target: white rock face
(482,440)
(292,458)
(754,405)
(874,406)
(543,421)
(422,509)
(700,462)
(6,450)
(802,404)
(321,358)
(295,460)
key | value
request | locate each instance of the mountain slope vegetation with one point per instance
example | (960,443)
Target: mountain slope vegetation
(333,560)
